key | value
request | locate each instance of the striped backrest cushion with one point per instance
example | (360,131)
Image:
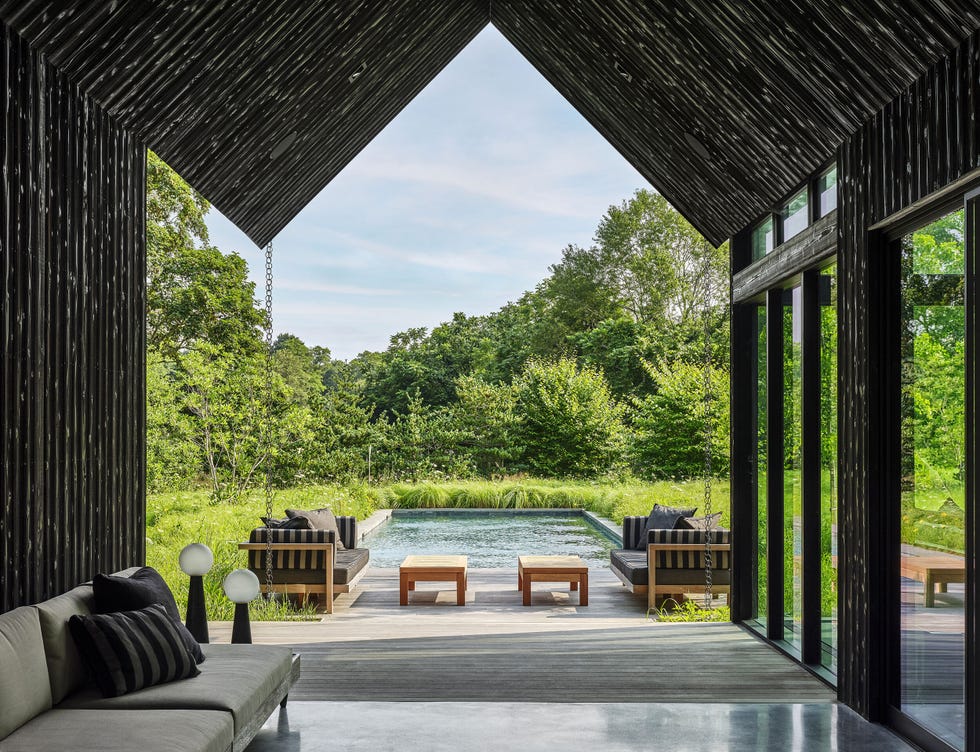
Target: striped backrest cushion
(128,650)
(633,529)
(290,559)
(689,559)
(348,531)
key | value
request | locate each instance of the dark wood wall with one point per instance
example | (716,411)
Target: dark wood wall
(921,142)
(72,260)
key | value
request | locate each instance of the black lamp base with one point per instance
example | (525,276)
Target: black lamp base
(197,617)
(241,629)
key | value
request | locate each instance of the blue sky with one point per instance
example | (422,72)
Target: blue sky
(460,204)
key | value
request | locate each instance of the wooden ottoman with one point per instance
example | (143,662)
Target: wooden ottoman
(568,569)
(432,569)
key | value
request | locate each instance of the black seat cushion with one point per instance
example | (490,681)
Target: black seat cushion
(633,566)
(347,564)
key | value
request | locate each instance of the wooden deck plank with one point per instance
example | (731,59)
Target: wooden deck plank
(496,650)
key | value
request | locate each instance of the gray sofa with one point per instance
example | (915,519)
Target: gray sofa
(673,560)
(46,702)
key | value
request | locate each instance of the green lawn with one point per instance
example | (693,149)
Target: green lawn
(175,519)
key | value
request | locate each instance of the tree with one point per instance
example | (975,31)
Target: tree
(486,418)
(194,292)
(570,425)
(341,433)
(243,417)
(173,459)
(669,424)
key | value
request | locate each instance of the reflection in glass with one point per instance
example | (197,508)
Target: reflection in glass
(761,601)
(827,192)
(763,239)
(933,463)
(793,465)
(795,215)
(828,465)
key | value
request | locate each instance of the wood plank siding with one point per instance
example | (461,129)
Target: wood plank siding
(723,106)
(923,140)
(72,203)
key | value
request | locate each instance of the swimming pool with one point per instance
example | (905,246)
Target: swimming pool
(491,539)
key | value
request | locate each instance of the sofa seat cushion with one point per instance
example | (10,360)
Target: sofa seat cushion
(234,678)
(348,563)
(124,731)
(633,566)
(24,688)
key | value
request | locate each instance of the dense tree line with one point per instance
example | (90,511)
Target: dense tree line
(598,371)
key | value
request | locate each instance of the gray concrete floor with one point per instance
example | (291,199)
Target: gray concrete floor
(536,727)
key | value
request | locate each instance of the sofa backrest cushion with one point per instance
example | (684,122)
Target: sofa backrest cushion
(65,668)
(290,559)
(24,688)
(690,559)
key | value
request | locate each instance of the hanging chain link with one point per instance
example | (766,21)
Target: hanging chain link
(708,430)
(267,443)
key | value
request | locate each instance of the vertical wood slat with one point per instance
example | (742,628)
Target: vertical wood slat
(72,248)
(920,142)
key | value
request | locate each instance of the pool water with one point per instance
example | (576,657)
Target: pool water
(491,540)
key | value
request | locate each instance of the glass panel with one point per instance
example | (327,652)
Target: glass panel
(761,601)
(828,465)
(793,464)
(933,498)
(763,239)
(795,215)
(827,191)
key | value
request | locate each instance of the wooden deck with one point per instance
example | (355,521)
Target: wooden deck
(494,649)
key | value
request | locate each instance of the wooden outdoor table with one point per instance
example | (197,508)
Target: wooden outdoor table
(568,569)
(432,569)
(932,571)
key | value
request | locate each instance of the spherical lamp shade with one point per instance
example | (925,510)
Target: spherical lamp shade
(196,559)
(241,586)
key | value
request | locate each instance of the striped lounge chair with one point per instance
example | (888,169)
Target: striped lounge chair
(308,562)
(670,562)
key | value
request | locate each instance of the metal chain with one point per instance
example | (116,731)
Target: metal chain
(708,431)
(267,444)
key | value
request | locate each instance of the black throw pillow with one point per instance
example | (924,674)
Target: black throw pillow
(664,518)
(290,523)
(144,588)
(128,650)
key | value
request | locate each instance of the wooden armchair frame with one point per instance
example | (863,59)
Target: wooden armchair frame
(653,589)
(303,589)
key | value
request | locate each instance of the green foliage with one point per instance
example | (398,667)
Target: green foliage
(570,425)
(669,424)
(243,416)
(691,610)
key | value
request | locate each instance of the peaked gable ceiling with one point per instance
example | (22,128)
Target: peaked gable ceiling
(723,106)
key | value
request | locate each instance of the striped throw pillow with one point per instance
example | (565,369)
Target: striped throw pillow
(128,650)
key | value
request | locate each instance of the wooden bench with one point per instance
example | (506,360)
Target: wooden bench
(935,570)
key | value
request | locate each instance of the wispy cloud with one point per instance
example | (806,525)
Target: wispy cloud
(462,202)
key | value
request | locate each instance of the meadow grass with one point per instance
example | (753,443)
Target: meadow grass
(175,519)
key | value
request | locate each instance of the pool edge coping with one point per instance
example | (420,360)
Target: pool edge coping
(605,526)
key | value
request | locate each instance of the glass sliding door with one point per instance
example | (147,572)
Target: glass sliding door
(933,499)
(828,466)
(792,465)
(761,604)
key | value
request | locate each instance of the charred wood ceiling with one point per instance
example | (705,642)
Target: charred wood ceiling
(724,107)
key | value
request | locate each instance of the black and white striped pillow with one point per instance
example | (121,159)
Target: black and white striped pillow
(129,650)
